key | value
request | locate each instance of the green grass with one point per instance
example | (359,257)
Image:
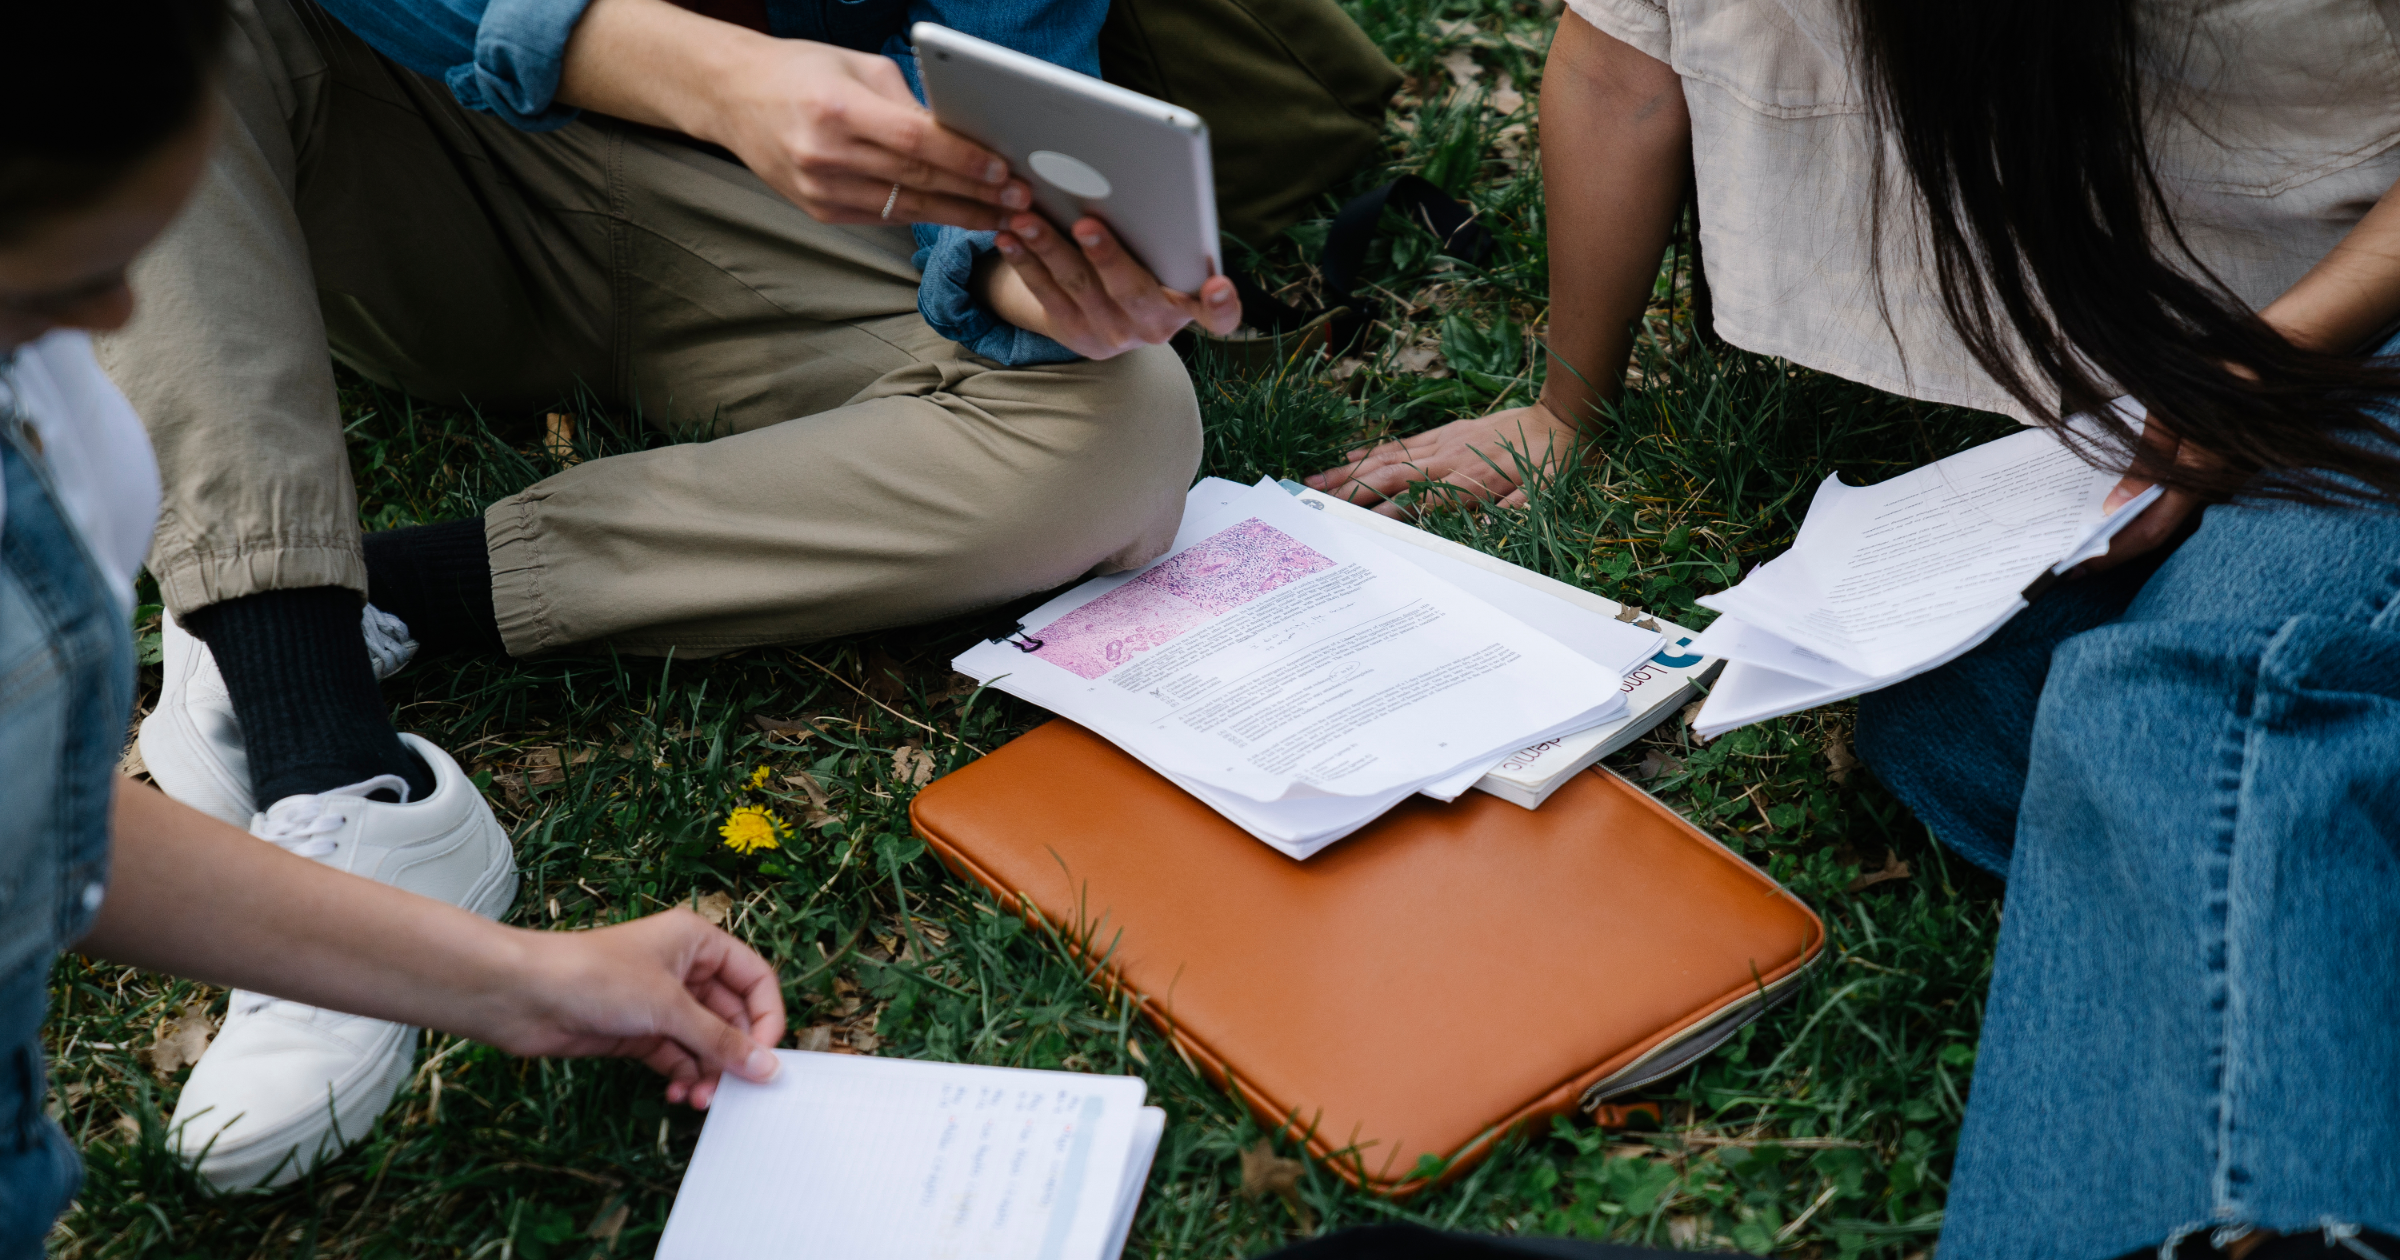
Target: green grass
(1824,1129)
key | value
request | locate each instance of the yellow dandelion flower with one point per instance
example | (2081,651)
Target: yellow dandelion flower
(752,828)
(758,778)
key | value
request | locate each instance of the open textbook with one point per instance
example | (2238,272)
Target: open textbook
(1885,582)
(892,1159)
(1301,674)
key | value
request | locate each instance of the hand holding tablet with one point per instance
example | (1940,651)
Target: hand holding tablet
(1126,176)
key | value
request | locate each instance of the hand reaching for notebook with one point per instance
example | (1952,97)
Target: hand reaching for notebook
(685,998)
(1091,296)
(1483,458)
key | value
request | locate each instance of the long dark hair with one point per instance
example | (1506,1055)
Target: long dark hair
(92,89)
(2019,125)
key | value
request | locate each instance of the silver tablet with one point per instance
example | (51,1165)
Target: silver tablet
(1087,147)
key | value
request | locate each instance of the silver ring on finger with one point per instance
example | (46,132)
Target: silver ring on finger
(891,201)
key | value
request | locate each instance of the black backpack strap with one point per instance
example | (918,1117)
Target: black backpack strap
(1451,222)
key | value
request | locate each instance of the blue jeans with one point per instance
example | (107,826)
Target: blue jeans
(39,1170)
(2192,786)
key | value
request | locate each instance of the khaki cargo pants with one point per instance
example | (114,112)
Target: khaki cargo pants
(866,472)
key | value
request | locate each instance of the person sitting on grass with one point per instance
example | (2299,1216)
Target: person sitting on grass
(97,862)
(904,426)
(2183,764)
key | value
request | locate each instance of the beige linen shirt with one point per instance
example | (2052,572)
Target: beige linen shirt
(2276,127)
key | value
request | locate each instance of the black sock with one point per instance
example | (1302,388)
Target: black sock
(438,579)
(295,664)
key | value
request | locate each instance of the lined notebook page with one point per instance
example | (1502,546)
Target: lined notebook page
(848,1156)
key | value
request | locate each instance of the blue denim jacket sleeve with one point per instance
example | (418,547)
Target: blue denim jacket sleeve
(504,57)
(1061,32)
(499,56)
(947,257)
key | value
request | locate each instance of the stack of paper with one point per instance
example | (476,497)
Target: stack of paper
(889,1159)
(1302,674)
(1654,690)
(1885,582)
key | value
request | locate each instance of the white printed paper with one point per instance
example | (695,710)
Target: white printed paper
(1881,574)
(1888,581)
(890,1159)
(1274,656)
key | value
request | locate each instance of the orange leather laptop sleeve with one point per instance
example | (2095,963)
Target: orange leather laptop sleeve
(1446,975)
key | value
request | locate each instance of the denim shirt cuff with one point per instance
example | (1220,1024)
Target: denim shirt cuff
(946,256)
(520,50)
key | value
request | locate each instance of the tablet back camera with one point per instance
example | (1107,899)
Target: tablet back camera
(1070,175)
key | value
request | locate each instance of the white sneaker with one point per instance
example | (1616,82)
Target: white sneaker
(284,1085)
(191,743)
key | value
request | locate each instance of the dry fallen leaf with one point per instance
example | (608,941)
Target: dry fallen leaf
(808,784)
(558,436)
(181,1040)
(606,1226)
(1515,143)
(548,766)
(1628,612)
(817,814)
(816,1037)
(715,907)
(1893,868)
(1266,1173)
(1839,760)
(1691,712)
(797,730)
(912,765)
(1505,97)
(65,1099)
(1423,358)
(1463,70)
(1658,764)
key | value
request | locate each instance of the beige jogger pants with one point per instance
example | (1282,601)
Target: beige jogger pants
(868,472)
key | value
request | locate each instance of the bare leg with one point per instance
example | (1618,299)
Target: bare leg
(1616,147)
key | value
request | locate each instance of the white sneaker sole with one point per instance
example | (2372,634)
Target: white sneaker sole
(264,1161)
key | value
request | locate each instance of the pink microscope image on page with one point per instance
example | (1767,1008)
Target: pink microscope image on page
(1211,577)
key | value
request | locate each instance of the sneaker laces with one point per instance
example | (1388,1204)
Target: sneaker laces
(2345,1234)
(389,646)
(304,826)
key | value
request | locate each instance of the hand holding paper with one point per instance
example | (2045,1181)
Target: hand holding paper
(1887,581)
